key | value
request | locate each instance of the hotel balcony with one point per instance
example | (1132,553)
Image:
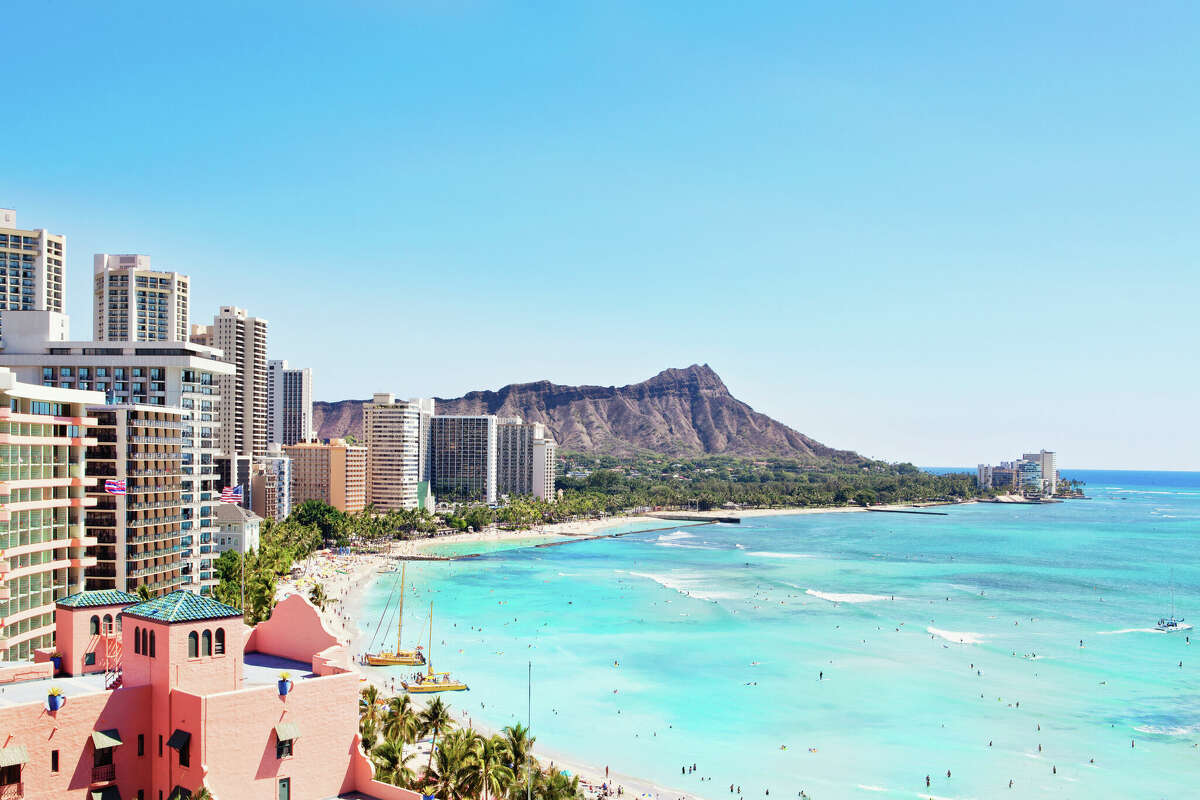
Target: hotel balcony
(12,791)
(102,774)
(73,441)
(43,419)
(42,505)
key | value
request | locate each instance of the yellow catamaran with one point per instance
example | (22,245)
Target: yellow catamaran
(432,681)
(397,657)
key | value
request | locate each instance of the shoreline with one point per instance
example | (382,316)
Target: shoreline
(348,579)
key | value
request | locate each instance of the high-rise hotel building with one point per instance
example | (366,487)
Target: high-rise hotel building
(289,403)
(139,532)
(31,268)
(177,375)
(525,458)
(392,430)
(462,452)
(131,302)
(333,472)
(242,340)
(44,432)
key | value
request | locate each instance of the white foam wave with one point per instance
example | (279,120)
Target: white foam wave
(770,554)
(675,536)
(866,788)
(1174,730)
(959,637)
(687,584)
(835,597)
(1130,630)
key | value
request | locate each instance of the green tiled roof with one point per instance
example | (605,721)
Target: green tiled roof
(102,597)
(181,606)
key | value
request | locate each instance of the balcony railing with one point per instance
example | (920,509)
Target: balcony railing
(105,773)
(12,791)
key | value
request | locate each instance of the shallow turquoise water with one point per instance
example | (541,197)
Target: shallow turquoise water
(644,649)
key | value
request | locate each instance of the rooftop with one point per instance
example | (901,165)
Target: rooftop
(182,606)
(262,669)
(35,691)
(102,597)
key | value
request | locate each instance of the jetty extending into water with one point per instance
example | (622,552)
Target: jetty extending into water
(569,539)
(907,511)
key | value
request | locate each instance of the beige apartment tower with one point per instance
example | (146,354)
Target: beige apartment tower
(333,472)
(139,533)
(393,431)
(242,340)
(31,268)
(131,302)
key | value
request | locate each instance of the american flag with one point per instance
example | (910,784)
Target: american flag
(114,486)
(232,494)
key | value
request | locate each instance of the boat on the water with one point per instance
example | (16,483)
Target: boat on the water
(432,681)
(398,657)
(1171,624)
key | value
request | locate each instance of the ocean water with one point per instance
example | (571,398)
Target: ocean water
(706,645)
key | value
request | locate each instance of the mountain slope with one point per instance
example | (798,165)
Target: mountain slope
(677,412)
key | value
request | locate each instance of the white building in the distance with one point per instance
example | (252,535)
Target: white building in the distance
(289,404)
(131,302)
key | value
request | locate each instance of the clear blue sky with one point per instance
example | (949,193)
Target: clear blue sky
(925,231)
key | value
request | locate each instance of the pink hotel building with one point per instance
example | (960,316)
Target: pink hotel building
(154,700)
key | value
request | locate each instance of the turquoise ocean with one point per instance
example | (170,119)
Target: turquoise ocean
(945,642)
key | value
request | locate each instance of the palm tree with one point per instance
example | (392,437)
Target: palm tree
(401,720)
(455,775)
(492,757)
(520,746)
(368,703)
(436,717)
(391,764)
(317,596)
(369,730)
(143,591)
(202,793)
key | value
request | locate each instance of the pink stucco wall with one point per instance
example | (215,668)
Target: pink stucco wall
(74,638)
(232,727)
(294,631)
(69,730)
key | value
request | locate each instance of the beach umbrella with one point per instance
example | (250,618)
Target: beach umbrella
(645,796)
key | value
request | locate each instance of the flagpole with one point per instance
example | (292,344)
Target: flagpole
(528,728)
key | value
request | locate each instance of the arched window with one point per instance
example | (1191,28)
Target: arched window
(108,623)
(95,625)
(220,646)
(193,645)
(152,644)
(145,639)
(137,641)
(206,643)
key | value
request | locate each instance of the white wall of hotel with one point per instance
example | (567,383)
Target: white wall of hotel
(38,341)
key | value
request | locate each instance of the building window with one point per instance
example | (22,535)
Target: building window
(141,744)
(137,641)
(220,646)
(95,625)
(102,757)
(10,776)
(89,659)
(160,753)
(152,644)
(283,748)
(193,645)
(206,643)
(108,624)
(54,761)
(145,641)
